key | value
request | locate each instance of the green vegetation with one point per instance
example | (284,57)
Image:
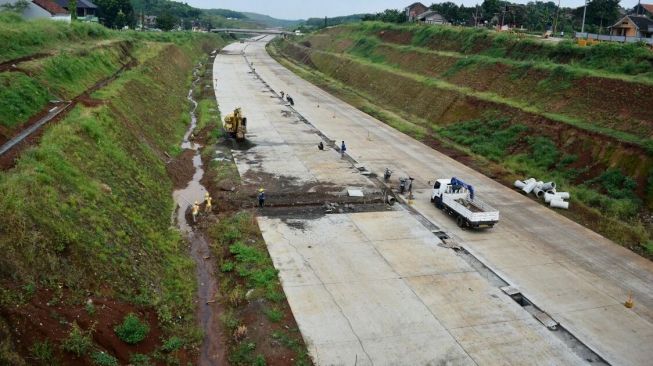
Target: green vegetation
(20,98)
(19,38)
(172,344)
(490,138)
(43,353)
(630,59)
(88,209)
(101,358)
(132,330)
(138,359)
(78,342)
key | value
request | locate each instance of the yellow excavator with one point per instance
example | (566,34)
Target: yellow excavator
(235,124)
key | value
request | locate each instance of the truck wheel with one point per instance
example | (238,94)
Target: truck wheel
(432,199)
(460,221)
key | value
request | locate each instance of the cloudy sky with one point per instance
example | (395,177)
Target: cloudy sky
(302,9)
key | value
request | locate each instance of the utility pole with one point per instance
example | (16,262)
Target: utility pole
(476,17)
(582,27)
(555,22)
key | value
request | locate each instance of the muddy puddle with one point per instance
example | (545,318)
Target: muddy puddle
(211,352)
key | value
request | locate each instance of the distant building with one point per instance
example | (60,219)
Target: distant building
(47,9)
(633,26)
(431,17)
(643,9)
(86,10)
(149,21)
(413,10)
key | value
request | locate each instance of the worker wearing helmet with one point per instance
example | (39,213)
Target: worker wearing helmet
(195,211)
(207,200)
(261,197)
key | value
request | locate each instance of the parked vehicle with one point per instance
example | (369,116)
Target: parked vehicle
(235,124)
(456,198)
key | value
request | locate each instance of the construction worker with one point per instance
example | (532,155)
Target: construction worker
(207,200)
(195,211)
(320,146)
(282,94)
(343,149)
(261,197)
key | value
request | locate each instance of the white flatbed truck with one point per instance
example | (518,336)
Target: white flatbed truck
(456,198)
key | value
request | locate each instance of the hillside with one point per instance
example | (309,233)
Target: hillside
(86,232)
(270,22)
(514,107)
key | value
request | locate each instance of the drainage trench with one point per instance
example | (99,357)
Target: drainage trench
(211,351)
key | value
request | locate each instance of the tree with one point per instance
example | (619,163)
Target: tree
(388,16)
(115,13)
(449,10)
(72,8)
(539,15)
(166,21)
(490,8)
(602,12)
(17,7)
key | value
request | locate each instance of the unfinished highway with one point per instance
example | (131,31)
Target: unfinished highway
(378,287)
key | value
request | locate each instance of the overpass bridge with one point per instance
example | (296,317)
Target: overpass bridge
(251,31)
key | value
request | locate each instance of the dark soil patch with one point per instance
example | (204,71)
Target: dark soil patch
(9,65)
(180,169)
(395,36)
(47,316)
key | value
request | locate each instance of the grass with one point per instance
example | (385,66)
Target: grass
(89,207)
(19,38)
(20,98)
(78,342)
(627,59)
(490,138)
(524,106)
(132,330)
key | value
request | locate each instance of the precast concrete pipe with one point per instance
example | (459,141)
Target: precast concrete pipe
(519,184)
(549,186)
(558,203)
(539,193)
(528,188)
(548,197)
(562,195)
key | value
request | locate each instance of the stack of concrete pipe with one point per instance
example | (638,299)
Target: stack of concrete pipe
(544,190)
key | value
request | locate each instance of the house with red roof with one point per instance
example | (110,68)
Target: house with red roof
(47,9)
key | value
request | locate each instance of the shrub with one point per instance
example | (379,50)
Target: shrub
(274,315)
(172,344)
(78,342)
(138,359)
(43,352)
(101,358)
(132,330)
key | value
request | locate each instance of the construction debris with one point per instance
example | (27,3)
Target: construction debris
(544,190)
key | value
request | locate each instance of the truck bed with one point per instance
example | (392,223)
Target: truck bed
(475,211)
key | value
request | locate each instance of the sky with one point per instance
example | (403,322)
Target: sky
(303,9)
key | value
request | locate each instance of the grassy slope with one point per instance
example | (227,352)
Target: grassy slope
(20,98)
(506,145)
(20,38)
(630,59)
(89,208)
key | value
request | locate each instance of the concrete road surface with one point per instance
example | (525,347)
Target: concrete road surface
(347,298)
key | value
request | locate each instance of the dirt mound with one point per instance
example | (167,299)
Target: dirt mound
(180,169)
(47,316)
